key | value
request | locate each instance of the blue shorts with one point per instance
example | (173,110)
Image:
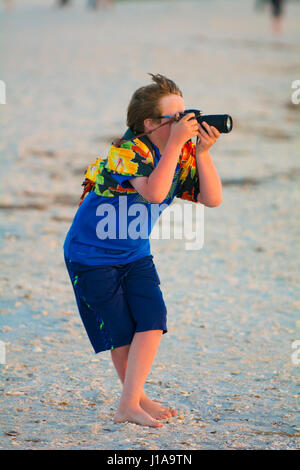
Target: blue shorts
(116,301)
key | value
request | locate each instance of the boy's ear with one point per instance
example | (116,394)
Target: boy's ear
(149,124)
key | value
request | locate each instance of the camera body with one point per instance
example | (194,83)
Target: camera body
(222,122)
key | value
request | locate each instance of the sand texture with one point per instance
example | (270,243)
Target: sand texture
(233,306)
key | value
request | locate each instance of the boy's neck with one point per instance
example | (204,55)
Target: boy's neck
(161,145)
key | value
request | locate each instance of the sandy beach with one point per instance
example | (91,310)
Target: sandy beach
(233,307)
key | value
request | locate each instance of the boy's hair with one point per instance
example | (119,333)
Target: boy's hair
(144,103)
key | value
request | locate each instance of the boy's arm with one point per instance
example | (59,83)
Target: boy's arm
(211,186)
(156,186)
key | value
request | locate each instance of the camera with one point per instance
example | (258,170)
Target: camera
(222,122)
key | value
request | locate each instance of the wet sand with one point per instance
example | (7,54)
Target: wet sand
(233,309)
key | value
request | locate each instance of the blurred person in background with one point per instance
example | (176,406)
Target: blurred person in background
(277,10)
(96,3)
(276,7)
(63,3)
(9,4)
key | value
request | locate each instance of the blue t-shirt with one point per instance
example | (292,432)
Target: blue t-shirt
(125,221)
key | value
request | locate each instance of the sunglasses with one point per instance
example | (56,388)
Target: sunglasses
(180,114)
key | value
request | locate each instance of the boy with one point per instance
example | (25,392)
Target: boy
(115,281)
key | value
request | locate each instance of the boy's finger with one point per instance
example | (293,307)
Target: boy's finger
(215,131)
(203,138)
(189,116)
(203,131)
(208,129)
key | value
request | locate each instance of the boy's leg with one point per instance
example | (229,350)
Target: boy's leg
(120,358)
(140,358)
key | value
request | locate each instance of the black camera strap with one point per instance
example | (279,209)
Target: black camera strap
(118,142)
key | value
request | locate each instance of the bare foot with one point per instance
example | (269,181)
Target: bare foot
(135,415)
(156,410)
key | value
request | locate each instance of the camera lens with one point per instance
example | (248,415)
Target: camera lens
(228,123)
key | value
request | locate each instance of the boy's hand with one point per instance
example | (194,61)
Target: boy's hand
(184,129)
(206,138)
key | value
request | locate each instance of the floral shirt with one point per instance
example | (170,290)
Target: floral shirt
(105,181)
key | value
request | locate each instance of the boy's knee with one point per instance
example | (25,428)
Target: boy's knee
(150,332)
